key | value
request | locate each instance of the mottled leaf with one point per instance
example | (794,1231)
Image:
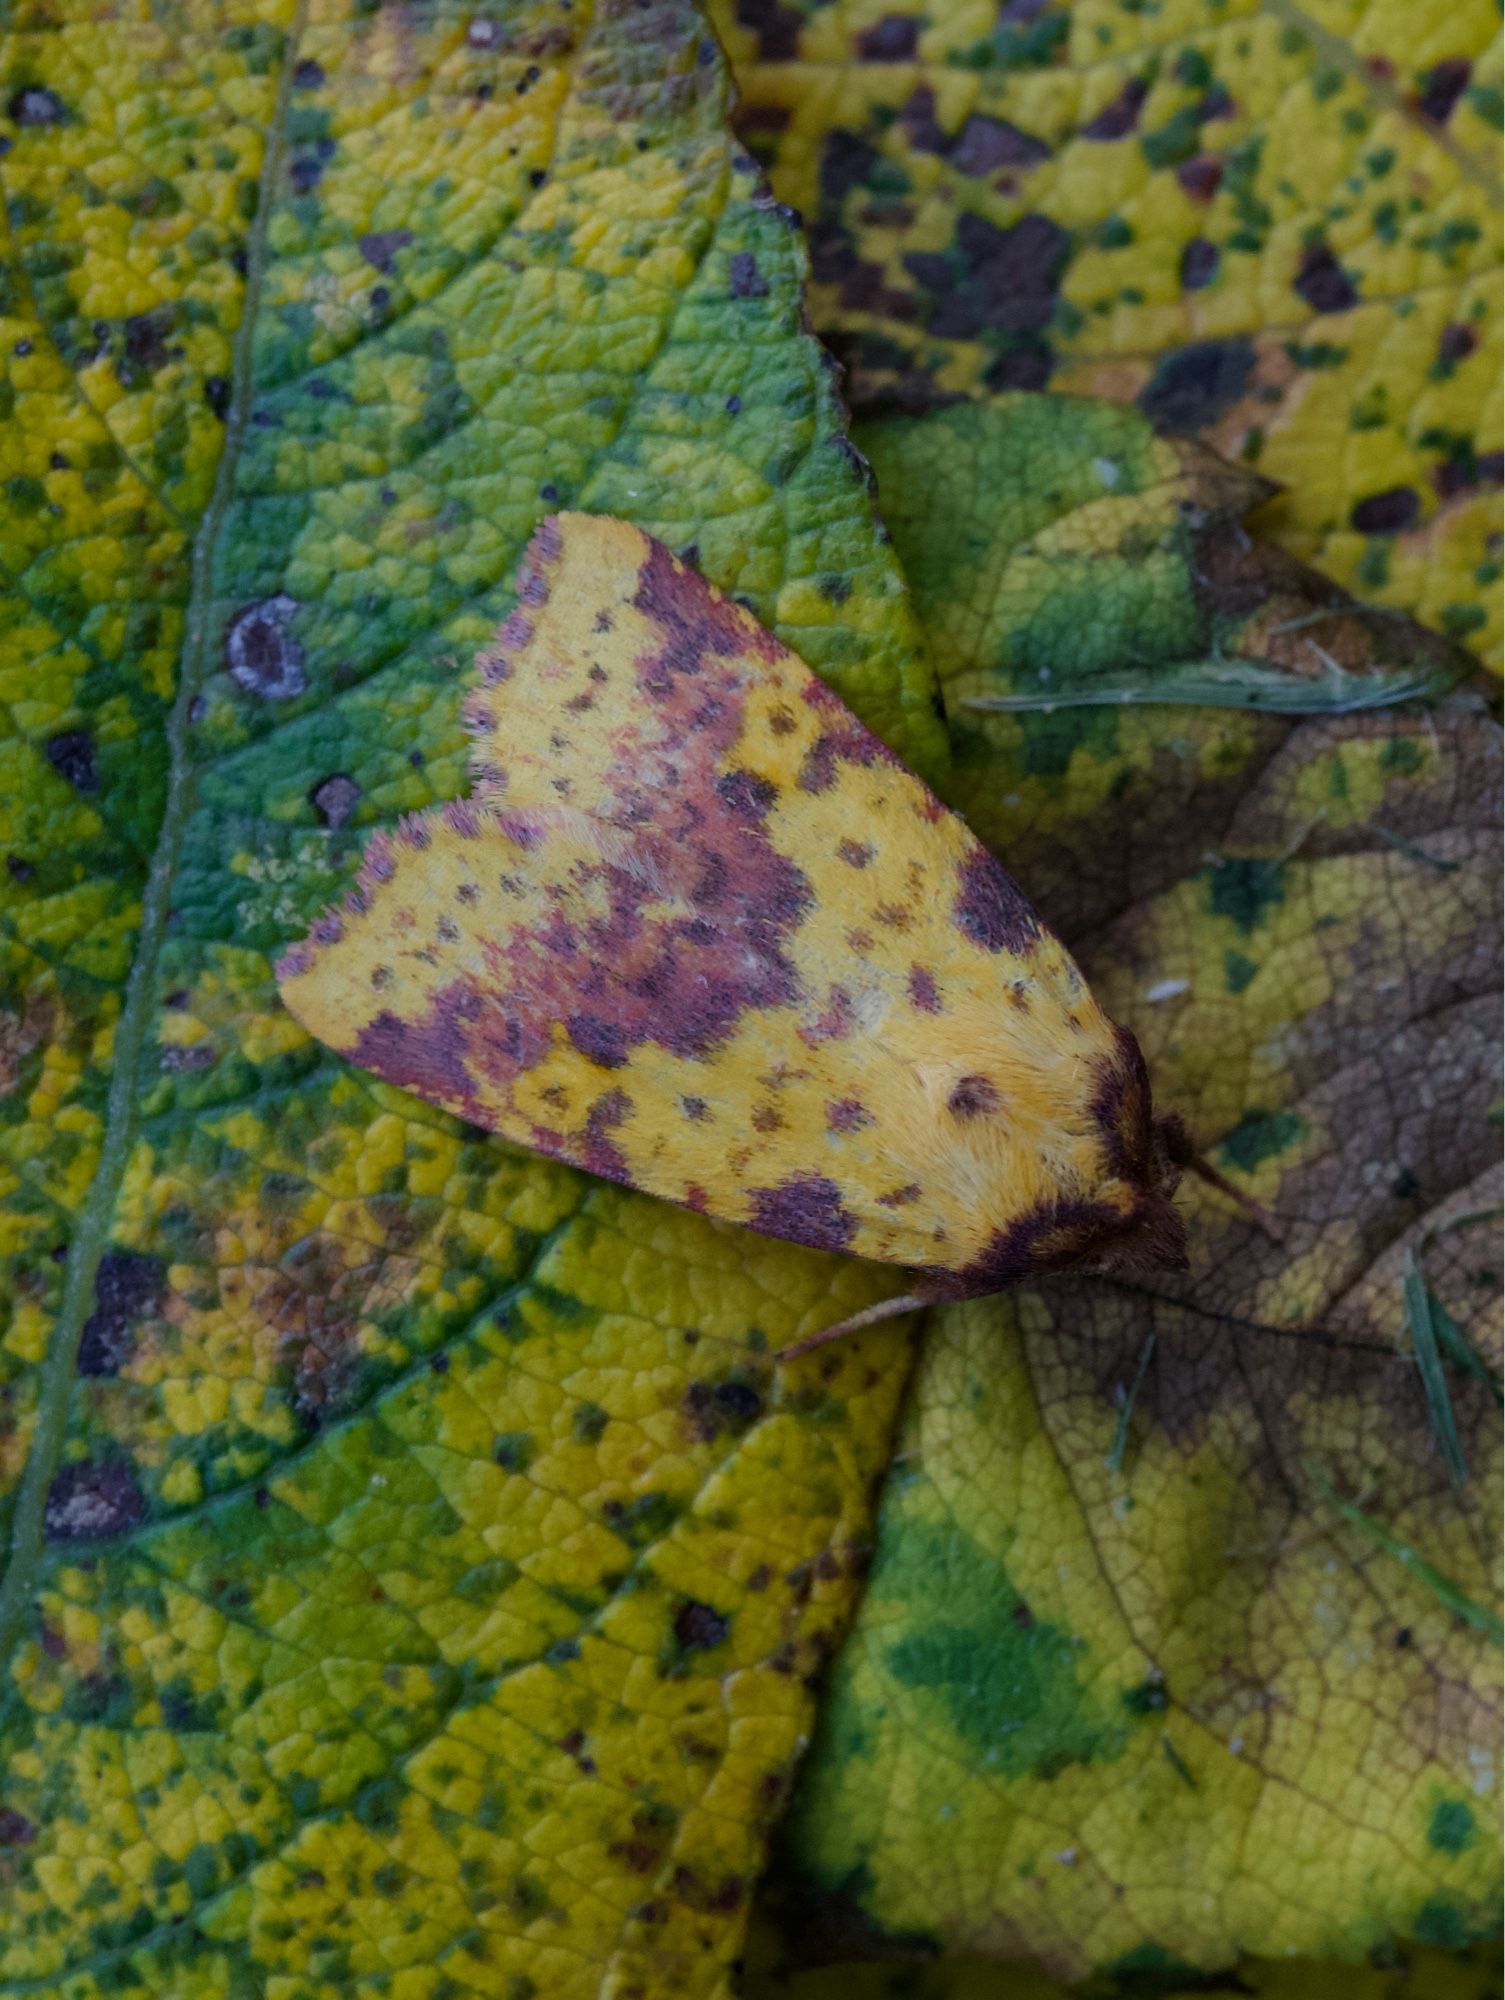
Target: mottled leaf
(1275,225)
(416,1561)
(1169,1674)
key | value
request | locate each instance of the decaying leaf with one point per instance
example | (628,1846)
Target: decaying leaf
(416,1583)
(1277,226)
(1212,1671)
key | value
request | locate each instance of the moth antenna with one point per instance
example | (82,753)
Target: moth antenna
(1179,1145)
(1255,1210)
(869,1316)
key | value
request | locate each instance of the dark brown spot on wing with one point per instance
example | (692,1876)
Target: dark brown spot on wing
(806,1208)
(922,990)
(990,909)
(971,1095)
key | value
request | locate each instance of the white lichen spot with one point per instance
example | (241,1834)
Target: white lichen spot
(261,653)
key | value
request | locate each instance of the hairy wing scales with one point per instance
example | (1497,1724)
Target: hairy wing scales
(698,930)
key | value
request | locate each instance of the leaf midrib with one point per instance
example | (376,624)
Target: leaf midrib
(56,1374)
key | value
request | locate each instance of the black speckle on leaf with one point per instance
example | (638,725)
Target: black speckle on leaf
(746,280)
(261,653)
(1323,282)
(993,280)
(87,1502)
(776,26)
(32,104)
(127,1287)
(1196,384)
(1025,366)
(1199,263)
(985,144)
(893,39)
(1387,513)
(308,75)
(1443,86)
(146,348)
(217,395)
(334,799)
(71,755)
(697,1626)
(1118,119)
(382,246)
(16,1830)
(18,869)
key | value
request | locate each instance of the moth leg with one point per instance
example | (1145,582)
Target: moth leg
(869,1316)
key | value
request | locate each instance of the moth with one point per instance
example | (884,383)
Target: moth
(696,929)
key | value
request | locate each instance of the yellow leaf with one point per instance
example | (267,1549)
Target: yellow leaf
(1275,225)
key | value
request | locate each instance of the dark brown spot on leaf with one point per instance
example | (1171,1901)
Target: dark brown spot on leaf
(334,799)
(776,26)
(1194,385)
(1199,264)
(1445,83)
(1387,513)
(1201,176)
(1323,282)
(744,279)
(1118,119)
(35,105)
(127,1287)
(1000,280)
(893,39)
(1456,342)
(697,1627)
(985,144)
(88,1502)
(380,247)
(71,755)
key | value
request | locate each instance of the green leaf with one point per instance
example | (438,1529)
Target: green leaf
(416,1563)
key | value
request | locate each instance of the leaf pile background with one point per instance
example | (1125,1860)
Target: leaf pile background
(1274,224)
(1136,1683)
(419,1571)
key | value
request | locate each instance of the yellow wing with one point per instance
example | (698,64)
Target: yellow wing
(698,930)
